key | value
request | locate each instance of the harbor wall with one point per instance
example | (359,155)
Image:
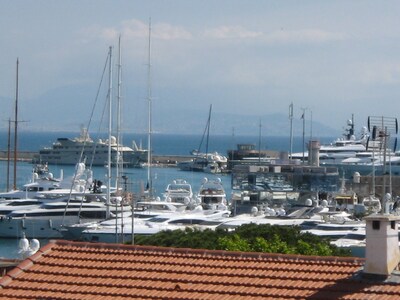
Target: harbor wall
(364,187)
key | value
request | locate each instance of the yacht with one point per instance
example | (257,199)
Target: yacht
(212,195)
(67,151)
(46,220)
(42,180)
(205,162)
(143,210)
(179,191)
(342,148)
(111,232)
(43,185)
(334,230)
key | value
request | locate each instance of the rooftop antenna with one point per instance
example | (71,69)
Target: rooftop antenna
(382,128)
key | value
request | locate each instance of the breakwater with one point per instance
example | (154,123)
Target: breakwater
(168,160)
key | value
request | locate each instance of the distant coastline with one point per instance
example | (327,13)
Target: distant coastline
(164,144)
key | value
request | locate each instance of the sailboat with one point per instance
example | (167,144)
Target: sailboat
(205,162)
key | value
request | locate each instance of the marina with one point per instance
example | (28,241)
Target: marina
(257,191)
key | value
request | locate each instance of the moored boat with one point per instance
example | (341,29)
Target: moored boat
(67,151)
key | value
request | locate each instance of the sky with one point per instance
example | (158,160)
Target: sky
(253,58)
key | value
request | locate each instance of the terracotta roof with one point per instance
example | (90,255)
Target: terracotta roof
(80,270)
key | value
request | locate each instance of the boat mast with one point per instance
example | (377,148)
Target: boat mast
(120,158)
(259,143)
(291,129)
(8,154)
(109,133)
(208,131)
(16,130)
(149,98)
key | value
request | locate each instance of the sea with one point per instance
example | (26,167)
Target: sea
(162,144)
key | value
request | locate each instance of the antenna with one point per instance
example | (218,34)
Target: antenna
(382,129)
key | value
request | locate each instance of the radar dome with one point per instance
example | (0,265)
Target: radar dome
(388,196)
(34,245)
(356,177)
(186,200)
(23,244)
(254,210)
(324,203)
(309,202)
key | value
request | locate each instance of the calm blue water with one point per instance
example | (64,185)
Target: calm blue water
(161,177)
(162,143)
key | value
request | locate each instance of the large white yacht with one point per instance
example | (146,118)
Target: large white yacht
(66,151)
(342,148)
(46,220)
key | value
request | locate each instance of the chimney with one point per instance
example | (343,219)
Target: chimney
(382,244)
(313,153)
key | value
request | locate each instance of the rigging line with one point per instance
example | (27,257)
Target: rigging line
(94,105)
(206,129)
(84,143)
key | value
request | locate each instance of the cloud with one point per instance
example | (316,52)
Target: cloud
(303,36)
(380,73)
(231,32)
(134,28)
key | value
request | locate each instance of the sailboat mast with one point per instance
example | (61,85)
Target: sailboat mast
(208,129)
(291,129)
(120,158)
(16,129)
(8,154)
(149,98)
(109,133)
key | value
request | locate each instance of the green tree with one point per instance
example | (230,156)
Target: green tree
(249,237)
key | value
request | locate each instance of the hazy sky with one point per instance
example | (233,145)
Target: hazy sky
(335,58)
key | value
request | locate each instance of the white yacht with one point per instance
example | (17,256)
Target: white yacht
(111,232)
(46,219)
(179,191)
(42,180)
(334,230)
(66,151)
(205,162)
(342,148)
(212,195)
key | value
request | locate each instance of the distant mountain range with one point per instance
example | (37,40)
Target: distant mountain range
(64,110)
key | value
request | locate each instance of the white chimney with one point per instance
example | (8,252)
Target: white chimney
(382,244)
